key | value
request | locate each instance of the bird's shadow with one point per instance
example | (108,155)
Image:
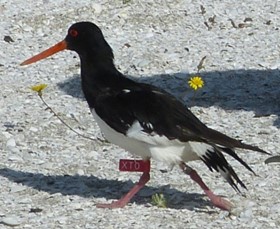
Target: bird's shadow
(92,186)
(250,90)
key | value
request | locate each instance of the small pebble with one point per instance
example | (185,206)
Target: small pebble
(11,221)
(33,129)
(80,172)
(17,188)
(97,8)
(11,143)
(15,158)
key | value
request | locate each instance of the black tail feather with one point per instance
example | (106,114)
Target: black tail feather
(235,156)
(223,140)
(216,160)
(250,147)
(229,178)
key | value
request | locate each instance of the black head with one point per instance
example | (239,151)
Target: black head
(86,39)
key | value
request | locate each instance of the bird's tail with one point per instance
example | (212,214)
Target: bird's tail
(213,156)
(228,142)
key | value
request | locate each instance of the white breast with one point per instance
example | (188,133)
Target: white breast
(131,145)
(142,144)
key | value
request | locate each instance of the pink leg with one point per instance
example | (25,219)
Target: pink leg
(125,199)
(216,200)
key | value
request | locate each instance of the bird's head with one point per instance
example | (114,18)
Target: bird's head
(85,38)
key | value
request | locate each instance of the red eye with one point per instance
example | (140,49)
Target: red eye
(73,32)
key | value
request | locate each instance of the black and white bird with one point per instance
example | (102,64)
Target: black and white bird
(145,120)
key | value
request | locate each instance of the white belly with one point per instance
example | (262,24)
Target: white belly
(146,146)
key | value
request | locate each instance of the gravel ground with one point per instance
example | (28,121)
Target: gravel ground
(51,177)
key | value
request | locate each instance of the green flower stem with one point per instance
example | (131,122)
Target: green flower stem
(60,119)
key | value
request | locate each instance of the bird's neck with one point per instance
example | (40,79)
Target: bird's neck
(99,76)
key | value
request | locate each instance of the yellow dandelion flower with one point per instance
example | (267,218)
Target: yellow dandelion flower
(196,82)
(39,88)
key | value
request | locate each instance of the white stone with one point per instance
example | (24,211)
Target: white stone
(11,143)
(11,221)
(33,129)
(17,188)
(80,172)
(7,134)
(15,158)
(97,8)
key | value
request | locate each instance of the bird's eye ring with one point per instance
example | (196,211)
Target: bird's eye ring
(73,33)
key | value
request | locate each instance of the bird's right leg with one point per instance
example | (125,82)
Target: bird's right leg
(216,200)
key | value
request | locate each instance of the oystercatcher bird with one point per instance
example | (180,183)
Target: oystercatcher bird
(146,120)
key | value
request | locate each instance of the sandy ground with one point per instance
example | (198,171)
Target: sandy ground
(51,177)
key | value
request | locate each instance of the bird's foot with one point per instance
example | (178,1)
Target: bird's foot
(218,201)
(114,204)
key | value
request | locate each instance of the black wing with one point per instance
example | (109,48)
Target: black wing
(156,111)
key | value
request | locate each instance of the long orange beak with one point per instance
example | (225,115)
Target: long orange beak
(52,50)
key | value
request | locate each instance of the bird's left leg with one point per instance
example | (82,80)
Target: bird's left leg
(216,200)
(125,199)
